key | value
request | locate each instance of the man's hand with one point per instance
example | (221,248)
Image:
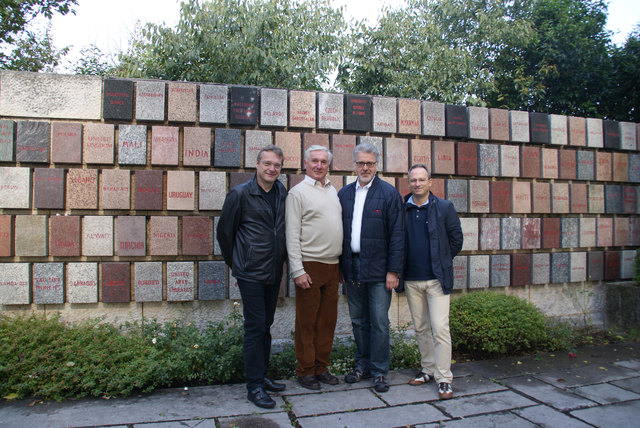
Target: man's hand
(303,281)
(392,281)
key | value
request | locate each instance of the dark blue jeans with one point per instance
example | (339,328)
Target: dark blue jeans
(258,306)
(369,310)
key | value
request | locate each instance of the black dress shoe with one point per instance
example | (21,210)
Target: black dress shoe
(309,382)
(328,378)
(271,385)
(261,398)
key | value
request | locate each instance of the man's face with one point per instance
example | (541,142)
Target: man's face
(268,168)
(419,182)
(365,167)
(317,165)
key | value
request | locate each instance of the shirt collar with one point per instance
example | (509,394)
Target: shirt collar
(314,182)
(367,186)
(410,201)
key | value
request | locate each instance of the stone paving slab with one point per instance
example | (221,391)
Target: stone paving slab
(632,384)
(503,419)
(629,364)
(548,394)
(401,416)
(568,378)
(604,393)
(269,420)
(624,414)
(336,401)
(548,417)
(486,403)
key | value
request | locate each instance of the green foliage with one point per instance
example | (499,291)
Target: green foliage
(34,51)
(93,62)
(279,43)
(16,14)
(404,352)
(636,267)
(486,324)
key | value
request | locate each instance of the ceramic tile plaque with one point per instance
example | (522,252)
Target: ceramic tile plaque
(478,196)
(14,187)
(82,282)
(559,267)
(458,194)
(595,133)
(357,113)
(530,161)
(586,165)
(621,231)
(420,152)
(531,233)
(164,145)
(180,190)
(182,102)
(330,111)
(396,155)
(539,128)
(611,265)
(131,233)
(196,147)
(115,279)
(521,197)
(520,269)
(578,195)
(31,235)
(627,262)
(98,143)
(469,227)
(501,196)
(634,167)
(540,268)
(213,104)
(628,138)
(212,188)
(6,140)
(541,200)
(289,142)
(342,148)
(82,189)
(312,139)
(568,164)
(163,236)
(478,123)
(629,199)
(479,271)
(611,134)
(587,232)
(97,236)
(596,198)
(443,156)
(180,281)
(604,166)
(460,272)
(560,198)
(227,148)
(550,168)
(559,129)
(612,199)
(212,280)
(147,281)
(457,121)
(376,142)
(519,124)
(132,144)
(409,117)
(499,120)
(578,267)
(604,228)
(48,188)
(32,141)
(48,283)
(273,107)
(237,178)
(433,120)
(500,265)
(6,235)
(488,160)
(577,131)
(115,189)
(509,161)
(569,232)
(117,99)
(489,233)
(511,230)
(14,284)
(148,189)
(302,109)
(244,102)
(467,158)
(150,100)
(197,236)
(254,141)
(384,115)
(64,236)
(620,167)
(66,142)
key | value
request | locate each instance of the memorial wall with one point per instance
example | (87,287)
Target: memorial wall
(110,191)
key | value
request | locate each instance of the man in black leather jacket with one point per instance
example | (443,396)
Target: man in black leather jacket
(251,234)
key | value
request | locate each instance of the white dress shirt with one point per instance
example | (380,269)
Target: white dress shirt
(356,222)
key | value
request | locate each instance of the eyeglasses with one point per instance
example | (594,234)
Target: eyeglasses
(368,164)
(268,164)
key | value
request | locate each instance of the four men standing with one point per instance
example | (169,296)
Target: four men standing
(358,234)
(371,263)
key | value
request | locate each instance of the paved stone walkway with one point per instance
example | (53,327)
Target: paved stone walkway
(601,387)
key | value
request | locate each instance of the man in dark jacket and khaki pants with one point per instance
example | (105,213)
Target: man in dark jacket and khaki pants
(434,237)
(251,233)
(371,263)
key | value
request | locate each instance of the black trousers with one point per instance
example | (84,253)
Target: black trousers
(259,306)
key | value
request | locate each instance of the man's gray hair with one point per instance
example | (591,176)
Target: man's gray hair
(420,165)
(315,147)
(366,148)
(270,148)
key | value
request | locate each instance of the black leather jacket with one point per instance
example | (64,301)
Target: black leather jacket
(252,241)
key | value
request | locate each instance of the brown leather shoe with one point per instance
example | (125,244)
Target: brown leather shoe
(444,391)
(328,378)
(309,382)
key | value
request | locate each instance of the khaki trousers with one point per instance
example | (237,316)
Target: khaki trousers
(429,308)
(316,316)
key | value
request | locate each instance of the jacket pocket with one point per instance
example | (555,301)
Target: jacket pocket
(259,257)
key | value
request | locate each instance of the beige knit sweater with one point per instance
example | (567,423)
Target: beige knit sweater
(314,225)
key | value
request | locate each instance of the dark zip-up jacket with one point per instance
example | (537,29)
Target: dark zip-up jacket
(381,235)
(445,237)
(252,241)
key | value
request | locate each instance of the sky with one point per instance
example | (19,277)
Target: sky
(108,24)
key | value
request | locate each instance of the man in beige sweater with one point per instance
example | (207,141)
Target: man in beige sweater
(314,243)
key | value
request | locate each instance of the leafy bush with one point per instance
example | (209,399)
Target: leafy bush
(486,324)
(404,351)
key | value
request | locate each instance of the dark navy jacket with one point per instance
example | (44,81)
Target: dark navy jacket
(252,241)
(382,233)
(445,235)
